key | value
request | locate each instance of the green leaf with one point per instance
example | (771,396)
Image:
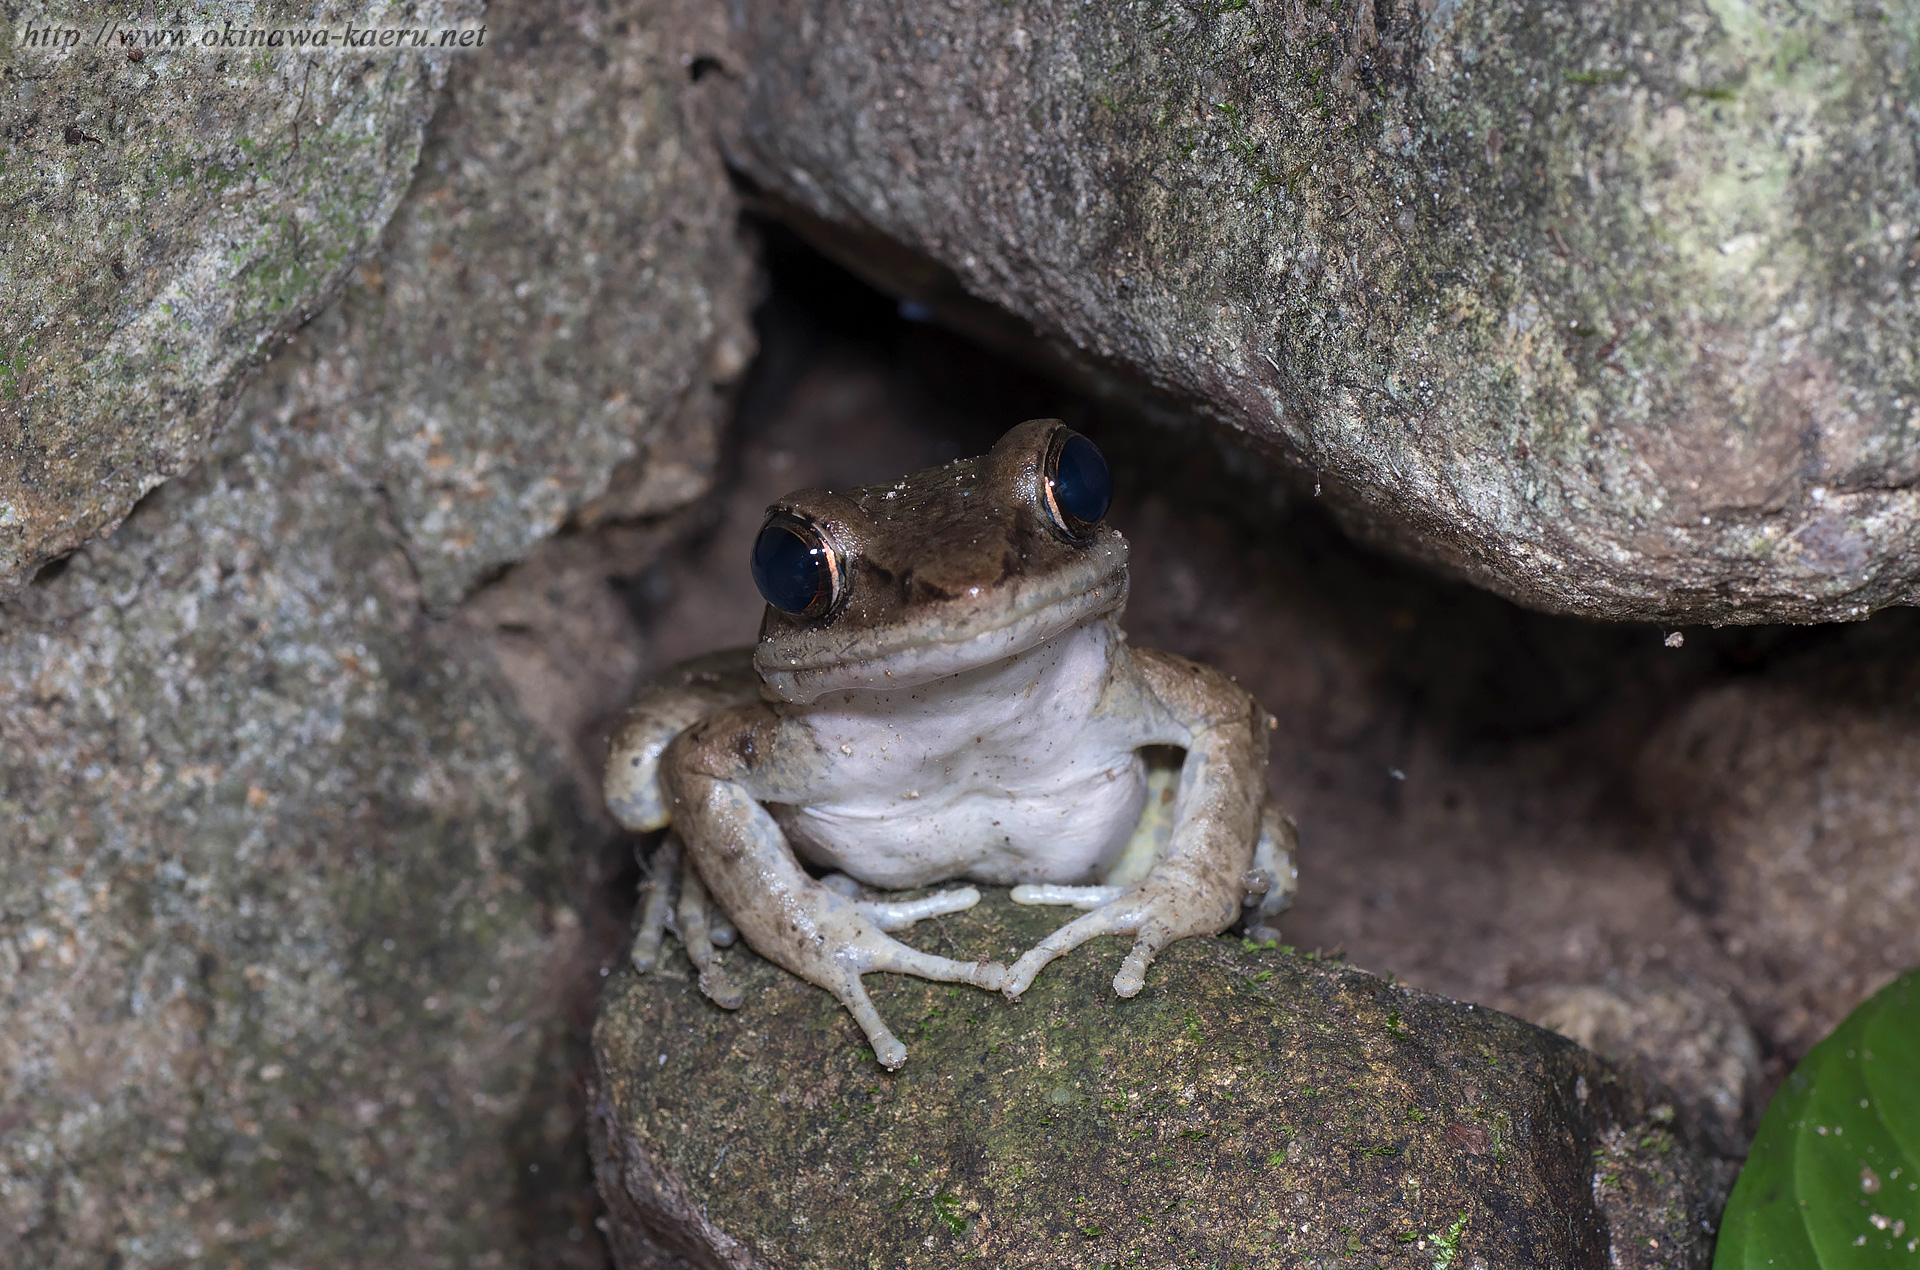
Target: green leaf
(1834,1176)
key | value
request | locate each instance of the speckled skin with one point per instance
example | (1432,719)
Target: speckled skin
(972,711)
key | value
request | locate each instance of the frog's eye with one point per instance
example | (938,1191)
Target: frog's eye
(796,568)
(1079,487)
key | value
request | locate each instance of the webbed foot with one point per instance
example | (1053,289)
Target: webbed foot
(859,929)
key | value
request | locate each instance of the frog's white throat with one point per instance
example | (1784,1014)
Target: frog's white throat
(912,664)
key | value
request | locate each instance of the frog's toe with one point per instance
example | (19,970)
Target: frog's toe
(1146,946)
(870,951)
(853,994)
(896,915)
(1109,920)
(663,871)
(900,959)
(697,937)
(1069,896)
(719,989)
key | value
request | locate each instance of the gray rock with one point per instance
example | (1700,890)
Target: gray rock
(166,221)
(559,296)
(1610,309)
(280,937)
(288,948)
(1688,1037)
(1251,1107)
(1793,804)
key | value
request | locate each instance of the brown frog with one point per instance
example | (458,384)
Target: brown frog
(941,691)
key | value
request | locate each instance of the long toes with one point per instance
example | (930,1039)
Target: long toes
(1070,896)
(653,915)
(1066,939)
(1133,970)
(911,961)
(1020,974)
(886,1046)
(646,944)
(896,915)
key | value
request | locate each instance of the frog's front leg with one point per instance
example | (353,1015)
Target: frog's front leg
(716,775)
(1199,883)
(667,706)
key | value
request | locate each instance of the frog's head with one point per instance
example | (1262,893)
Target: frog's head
(888,586)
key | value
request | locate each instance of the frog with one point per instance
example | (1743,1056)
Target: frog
(941,692)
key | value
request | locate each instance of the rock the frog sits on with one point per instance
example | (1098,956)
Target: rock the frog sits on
(941,690)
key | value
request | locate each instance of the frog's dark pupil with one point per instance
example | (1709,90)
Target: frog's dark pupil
(1082,486)
(790,570)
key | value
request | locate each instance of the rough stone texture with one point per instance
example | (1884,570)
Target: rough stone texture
(166,220)
(280,924)
(1794,808)
(560,294)
(1251,1107)
(1609,308)
(1689,1037)
(291,929)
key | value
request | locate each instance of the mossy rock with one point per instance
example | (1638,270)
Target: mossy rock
(169,220)
(1609,308)
(1252,1107)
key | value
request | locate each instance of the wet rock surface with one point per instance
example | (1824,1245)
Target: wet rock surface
(300,909)
(1250,1107)
(1555,301)
(168,219)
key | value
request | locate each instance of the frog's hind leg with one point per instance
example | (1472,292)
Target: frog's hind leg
(1275,877)
(663,872)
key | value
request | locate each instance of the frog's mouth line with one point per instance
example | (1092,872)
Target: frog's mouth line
(910,663)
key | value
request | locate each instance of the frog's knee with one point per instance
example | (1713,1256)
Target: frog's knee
(632,785)
(1274,879)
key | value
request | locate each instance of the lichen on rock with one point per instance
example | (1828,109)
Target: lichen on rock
(168,219)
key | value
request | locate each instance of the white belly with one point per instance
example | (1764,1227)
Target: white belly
(1001,774)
